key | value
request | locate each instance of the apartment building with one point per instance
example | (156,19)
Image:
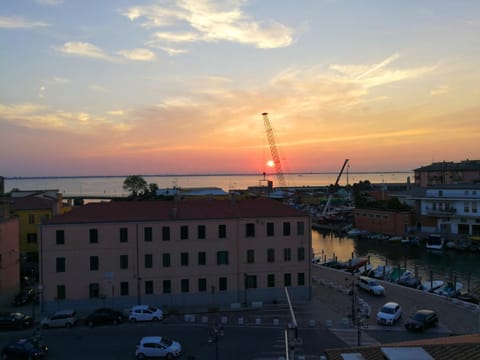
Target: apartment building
(174,253)
(9,255)
(448,172)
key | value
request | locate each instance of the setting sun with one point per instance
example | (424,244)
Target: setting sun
(270,163)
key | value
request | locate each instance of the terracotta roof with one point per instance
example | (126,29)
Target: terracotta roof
(442,348)
(125,211)
(472,165)
(32,203)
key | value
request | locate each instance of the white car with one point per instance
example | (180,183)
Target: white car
(61,318)
(158,346)
(371,285)
(389,313)
(145,313)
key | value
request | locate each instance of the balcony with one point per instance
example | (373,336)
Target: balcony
(440,212)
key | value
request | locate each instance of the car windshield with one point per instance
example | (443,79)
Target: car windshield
(373,283)
(166,342)
(388,310)
(418,317)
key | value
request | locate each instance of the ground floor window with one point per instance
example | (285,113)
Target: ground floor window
(61,292)
(124,288)
(148,287)
(94,290)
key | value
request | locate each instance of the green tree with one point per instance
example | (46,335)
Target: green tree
(135,185)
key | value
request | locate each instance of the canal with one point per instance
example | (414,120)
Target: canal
(443,265)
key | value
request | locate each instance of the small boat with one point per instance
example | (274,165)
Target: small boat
(434,242)
(408,279)
(449,290)
(431,286)
(357,232)
(395,239)
(467,297)
(382,271)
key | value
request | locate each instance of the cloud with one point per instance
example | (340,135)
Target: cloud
(441,90)
(138,54)
(49,2)
(17,22)
(98,88)
(210,22)
(84,49)
(59,80)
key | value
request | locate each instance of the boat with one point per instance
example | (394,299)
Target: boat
(467,297)
(381,271)
(409,279)
(395,239)
(357,232)
(396,274)
(354,264)
(431,285)
(449,290)
(434,242)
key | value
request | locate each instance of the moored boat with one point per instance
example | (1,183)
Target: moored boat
(450,289)
(431,285)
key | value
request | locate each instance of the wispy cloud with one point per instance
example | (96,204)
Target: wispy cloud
(210,21)
(441,90)
(49,2)
(17,22)
(60,80)
(84,49)
(138,54)
(98,88)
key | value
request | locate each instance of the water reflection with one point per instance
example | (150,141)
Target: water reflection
(447,265)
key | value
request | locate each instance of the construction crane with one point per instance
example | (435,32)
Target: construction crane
(273,150)
(325,209)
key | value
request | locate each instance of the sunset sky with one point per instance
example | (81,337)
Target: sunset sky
(116,87)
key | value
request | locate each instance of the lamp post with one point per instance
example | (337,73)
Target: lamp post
(215,334)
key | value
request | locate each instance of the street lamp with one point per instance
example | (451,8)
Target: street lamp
(214,336)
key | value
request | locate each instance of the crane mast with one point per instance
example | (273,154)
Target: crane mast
(274,151)
(325,209)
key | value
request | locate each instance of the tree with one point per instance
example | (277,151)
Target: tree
(135,185)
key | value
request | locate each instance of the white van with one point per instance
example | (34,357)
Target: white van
(370,285)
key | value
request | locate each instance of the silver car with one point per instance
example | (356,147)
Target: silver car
(61,318)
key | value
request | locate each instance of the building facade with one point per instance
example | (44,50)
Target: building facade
(383,221)
(175,253)
(442,173)
(9,255)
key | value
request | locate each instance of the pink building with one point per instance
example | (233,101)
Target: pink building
(448,172)
(175,253)
(9,256)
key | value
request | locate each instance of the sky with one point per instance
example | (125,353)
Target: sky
(117,87)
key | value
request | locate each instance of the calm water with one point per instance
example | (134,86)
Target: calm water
(112,186)
(443,265)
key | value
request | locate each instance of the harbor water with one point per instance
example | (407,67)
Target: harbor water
(446,265)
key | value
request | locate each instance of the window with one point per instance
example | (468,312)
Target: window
(148,287)
(166,233)
(60,264)
(123,234)
(93,263)
(250,281)
(184,259)
(184,232)
(222,284)
(286,229)
(271,280)
(270,229)
(124,288)
(301,279)
(287,254)
(94,290)
(185,284)
(60,237)
(123,261)
(250,230)
(250,256)
(271,255)
(300,254)
(466,208)
(31,219)
(61,292)
(202,258)
(148,261)
(202,285)
(93,236)
(167,286)
(222,231)
(147,234)
(201,231)
(32,238)
(287,279)
(166,260)
(222,257)
(300,228)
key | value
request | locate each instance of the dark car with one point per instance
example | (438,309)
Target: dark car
(104,316)
(24,349)
(421,320)
(15,320)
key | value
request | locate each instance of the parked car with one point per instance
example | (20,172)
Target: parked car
(158,346)
(61,318)
(15,320)
(421,320)
(23,349)
(145,313)
(104,316)
(371,285)
(389,313)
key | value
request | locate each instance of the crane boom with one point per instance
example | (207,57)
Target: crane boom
(273,151)
(325,209)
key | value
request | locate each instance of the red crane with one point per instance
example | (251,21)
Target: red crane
(274,151)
